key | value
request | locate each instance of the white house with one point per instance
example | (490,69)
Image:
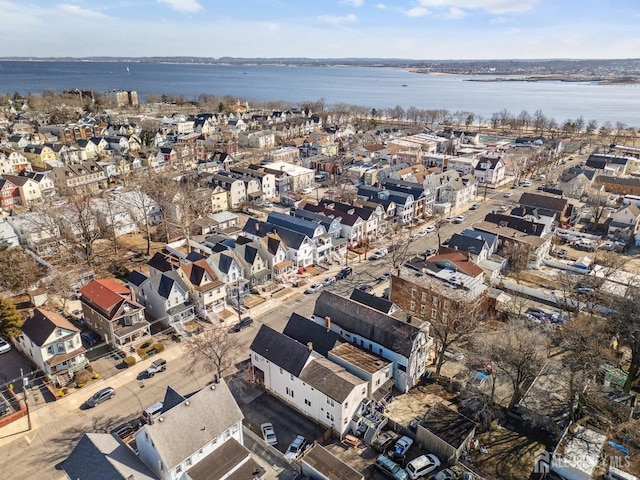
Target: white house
(208,426)
(624,223)
(53,344)
(490,172)
(301,377)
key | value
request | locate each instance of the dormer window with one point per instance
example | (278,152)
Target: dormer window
(58,332)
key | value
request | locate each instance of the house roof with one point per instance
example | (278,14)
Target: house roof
(300,225)
(543,201)
(327,222)
(367,322)
(197,273)
(101,295)
(171,399)
(281,350)
(165,282)
(358,357)
(225,458)
(305,331)
(629,182)
(102,456)
(459,260)
(39,327)
(330,378)
(448,425)
(136,278)
(329,466)
(189,425)
(467,244)
(377,303)
(516,223)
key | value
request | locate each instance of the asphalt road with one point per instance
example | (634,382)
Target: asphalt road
(59,426)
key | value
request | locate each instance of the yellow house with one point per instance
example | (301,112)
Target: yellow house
(219,202)
(39,155)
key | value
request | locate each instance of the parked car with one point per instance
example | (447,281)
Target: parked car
(448,219)
(585,290)
(126,429)
(504,208)
(267,204)
(508,194)
(378,254)
(100,396)
(296,448)
(429,229)
(243,323)
(344,273)
(384,277)
(269,434)
(475,206)
(383,441)
(537,310)
(329,281)
(401,448)
(459,219)
(422,465)
(365,288)
(390,468)
(307,190)
(4,346)
(430,251)
(446,474)
(157,366)
(91,338)
(313,288)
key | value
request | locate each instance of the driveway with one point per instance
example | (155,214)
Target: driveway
(11,363)
(259,407)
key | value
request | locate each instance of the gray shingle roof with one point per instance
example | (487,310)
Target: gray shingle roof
(191,424)
(378,303)
(543,201)
(300,225)
(303,330)
(330,378)
(466,244)
(367,322)
(281,350)
(101,456)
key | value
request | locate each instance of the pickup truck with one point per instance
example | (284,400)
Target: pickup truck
(159,365)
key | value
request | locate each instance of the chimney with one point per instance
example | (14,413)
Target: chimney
(327,323)
(310,346)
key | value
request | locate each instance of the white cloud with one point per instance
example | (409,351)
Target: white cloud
(416,12)
(456,13)
(513,31)
(336,19)
(381,6)
(80,11)
(496,7)
(183,6)
(353,3)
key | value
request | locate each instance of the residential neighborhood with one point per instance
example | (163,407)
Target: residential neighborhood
(287,293)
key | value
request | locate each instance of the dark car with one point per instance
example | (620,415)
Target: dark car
(344,273)
(91,338)
(101,396)
(126,429)
(244,323)
(365,288)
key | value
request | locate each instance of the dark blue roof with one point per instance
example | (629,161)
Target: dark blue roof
(377,303)
(315,217)
(304,331)
(136,278)
(301,225)
(490,238)
(466,244)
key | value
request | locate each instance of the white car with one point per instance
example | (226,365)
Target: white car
(307,190)
(504,208)
(459,219)
(329,281)
(313,288)
(430,229)
(296,448)
(401,447)
(422,465)
(4,346)
(269,434)
(508,194)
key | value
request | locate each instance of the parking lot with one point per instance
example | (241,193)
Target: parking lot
(11,365)
(259,407)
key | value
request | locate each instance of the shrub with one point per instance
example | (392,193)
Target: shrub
(129,361)
(82,377)
(61,393)
(95,376)
(159,347)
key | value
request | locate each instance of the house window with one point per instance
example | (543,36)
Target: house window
(330,416)
(178,469)
(379,350)
(307,402)
(58,331)
(127,321)
(281,372)
(413,292)
(423,309)
(412,306)
(424,296)
(50,349)
(291,377)
(433,313)
(402,368)
(330,402)
(290,392)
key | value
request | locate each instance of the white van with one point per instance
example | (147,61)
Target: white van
(614,473)
(153,411)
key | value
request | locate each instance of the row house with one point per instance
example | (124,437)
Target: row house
(40,156)
(317,387)
(404,344)
(611,165)
(276,253)
(330,224)
(316,232)
(219,200)
(289,177)
(111,311)
(266,181)
(318,145)
(452,189)
(234,188)
(53,345)
(351,225)
(423,198)
(165,298)
(82,178)
(372,217)
(259,139)
(13,162)
(28,189)
(9,194)
(84,150)
(490,172)
(253,259)
(299,247)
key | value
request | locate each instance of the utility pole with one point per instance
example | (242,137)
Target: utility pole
(238,297)
(25,383)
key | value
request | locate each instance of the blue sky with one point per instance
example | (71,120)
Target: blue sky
(417,29)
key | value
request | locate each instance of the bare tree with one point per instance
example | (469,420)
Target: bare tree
(626,325)
(213,350)
(398,246)
(139,206)
(18,270)
(519,352)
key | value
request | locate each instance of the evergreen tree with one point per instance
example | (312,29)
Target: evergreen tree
(10,320)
